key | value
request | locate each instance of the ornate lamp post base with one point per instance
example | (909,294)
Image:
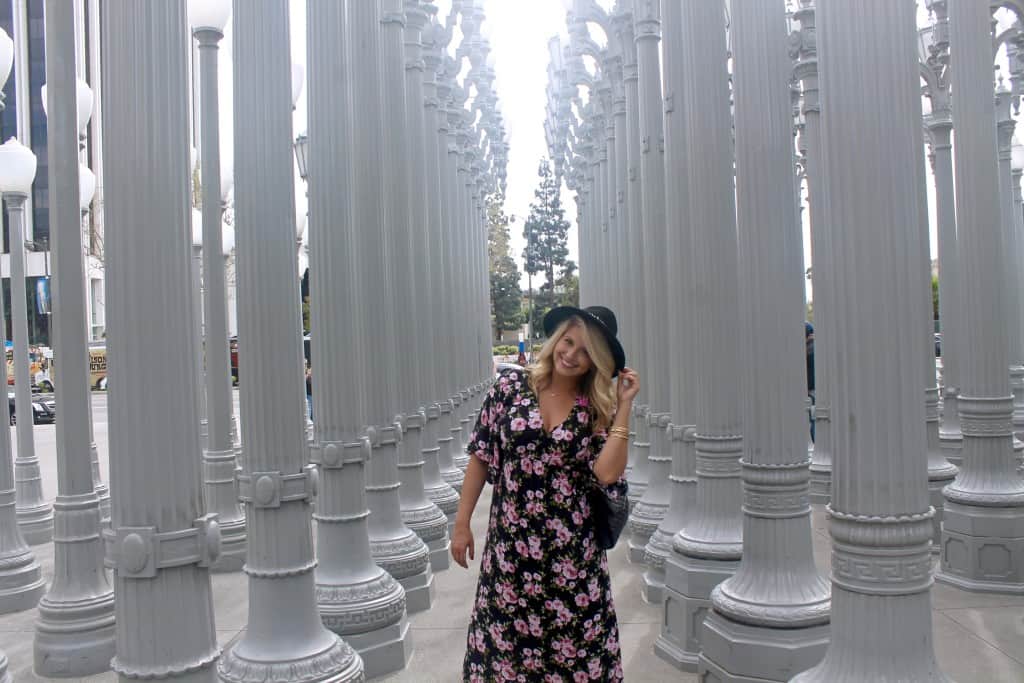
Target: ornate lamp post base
(980,547)
(452,475)
(640,449)
(74,639)
(757,653)
(21,579)
(371,617)
(221,494)
(689,582)
(36,522)
(102,490)
(343,663)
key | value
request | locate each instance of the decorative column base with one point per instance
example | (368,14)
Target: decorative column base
(221,493)
(452,475)
(951,438)
(649,512)
(639,452)
(4,676)
(101,489)
(35,514)
(21,578)
(370,616)
(757,654)
(338,663)
(407,559)
(983,548)
(438,491)
(419,514)
(75,632)
(689,582)
(821,456)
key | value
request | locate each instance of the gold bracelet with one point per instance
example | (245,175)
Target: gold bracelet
(619,430)
(616,435)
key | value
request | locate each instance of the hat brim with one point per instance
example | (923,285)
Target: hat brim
(558,315)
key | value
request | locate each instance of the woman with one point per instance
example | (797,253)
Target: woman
(543,609)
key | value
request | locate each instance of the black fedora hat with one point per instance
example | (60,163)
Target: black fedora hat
(600,318)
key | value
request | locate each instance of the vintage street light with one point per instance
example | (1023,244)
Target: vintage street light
(19,571)
(208,19)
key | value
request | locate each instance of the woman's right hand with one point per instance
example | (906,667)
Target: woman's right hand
(462,542)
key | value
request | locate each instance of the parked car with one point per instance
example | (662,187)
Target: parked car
(44,408)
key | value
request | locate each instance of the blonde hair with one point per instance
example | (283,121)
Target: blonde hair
(596,385)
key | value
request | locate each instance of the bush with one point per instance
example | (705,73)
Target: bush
(505,350)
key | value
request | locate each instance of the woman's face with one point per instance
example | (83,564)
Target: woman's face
(571,356)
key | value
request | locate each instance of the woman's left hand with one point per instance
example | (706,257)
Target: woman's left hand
(628,386)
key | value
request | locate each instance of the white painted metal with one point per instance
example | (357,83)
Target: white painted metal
(880,514)
(75,629)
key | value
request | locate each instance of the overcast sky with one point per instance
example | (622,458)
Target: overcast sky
(520,31)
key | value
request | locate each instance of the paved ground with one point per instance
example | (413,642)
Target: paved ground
(978,638)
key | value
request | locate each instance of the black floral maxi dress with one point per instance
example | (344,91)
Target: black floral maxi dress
(543,609)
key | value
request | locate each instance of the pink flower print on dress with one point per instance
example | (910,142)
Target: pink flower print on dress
(583,417)
(536,422)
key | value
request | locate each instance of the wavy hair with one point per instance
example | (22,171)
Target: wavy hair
(596,385)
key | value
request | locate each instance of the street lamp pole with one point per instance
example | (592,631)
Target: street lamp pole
(75,630)
(219,461)
(20,574)
(285,638)
(35,513)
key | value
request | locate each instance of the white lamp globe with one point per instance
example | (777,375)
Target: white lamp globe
(209,14)
(301,225)
(6,56)
(83,99)
(1016,155)
(17,167)
(298,80)
(228,237)
(86,186)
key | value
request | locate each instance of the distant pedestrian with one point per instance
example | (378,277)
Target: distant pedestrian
(309,391)
(809,342)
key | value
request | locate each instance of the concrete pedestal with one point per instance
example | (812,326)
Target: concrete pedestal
(688,585)
(756,654)
(385,650)
(983,550)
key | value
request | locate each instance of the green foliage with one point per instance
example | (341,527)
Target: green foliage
(506,313)
(547,248)
(305,315)
(505,350)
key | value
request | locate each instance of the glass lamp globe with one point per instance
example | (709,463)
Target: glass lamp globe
(6,56)
(17,167)
(83,98)
(209,14)
(86,186)
(227,176)
(228,237)
(1017,155)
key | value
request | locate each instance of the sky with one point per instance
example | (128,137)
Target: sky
(519,35)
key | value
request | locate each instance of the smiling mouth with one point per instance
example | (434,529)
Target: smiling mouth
(567,364)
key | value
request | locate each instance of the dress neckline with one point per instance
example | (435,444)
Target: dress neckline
(572,412)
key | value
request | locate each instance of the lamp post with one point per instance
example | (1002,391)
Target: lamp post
(358,599)
(984,510)
(880,513)
(285,638)
(20,574)
(777,592)
(196,273)
(87,190)
(75,630)
(208,19)
(34,512)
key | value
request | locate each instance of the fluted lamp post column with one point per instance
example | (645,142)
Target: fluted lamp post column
(285,638)
(880,514)
(75,630)
(983,525)
(708,548)
(770,619)
(21,581)
(34,512)
(358,599)
(208,19)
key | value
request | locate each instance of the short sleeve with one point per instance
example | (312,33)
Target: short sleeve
(485,441)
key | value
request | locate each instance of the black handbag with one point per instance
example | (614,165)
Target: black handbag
(610,514)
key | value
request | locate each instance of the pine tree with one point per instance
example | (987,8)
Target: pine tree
(506,313)
(547,245)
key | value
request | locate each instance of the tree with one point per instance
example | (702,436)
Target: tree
(506,311)
(547,245)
